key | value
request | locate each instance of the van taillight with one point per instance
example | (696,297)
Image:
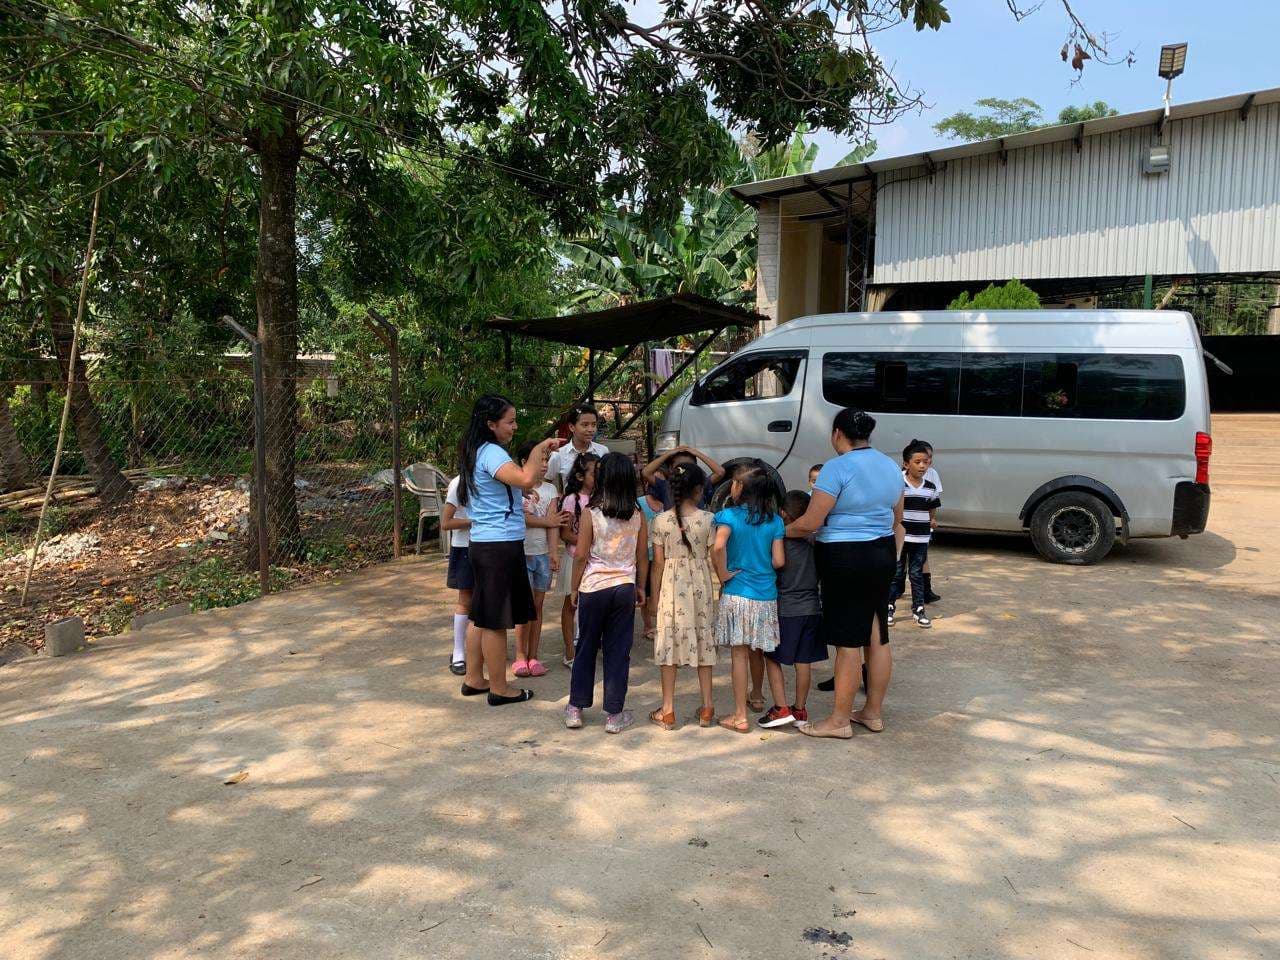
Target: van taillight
(1204,447)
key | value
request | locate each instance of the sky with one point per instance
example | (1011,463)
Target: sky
(983,52)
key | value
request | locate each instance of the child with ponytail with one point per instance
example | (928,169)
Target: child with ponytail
(686,608)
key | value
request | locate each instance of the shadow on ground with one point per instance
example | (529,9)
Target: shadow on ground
(1079,762)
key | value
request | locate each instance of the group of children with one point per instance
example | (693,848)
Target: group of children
(605,542)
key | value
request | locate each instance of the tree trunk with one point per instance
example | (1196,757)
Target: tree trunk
(276,289)
(112,487)
(15,470)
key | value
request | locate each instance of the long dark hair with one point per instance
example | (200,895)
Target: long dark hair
(574,481)
(615,492)
(487,409)
(759,495)
(687,483)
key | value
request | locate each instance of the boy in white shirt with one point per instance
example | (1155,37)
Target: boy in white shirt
(541,560)
(583,422)
(931,476)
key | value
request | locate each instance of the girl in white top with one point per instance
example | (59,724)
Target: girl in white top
(455,519)
(610,566)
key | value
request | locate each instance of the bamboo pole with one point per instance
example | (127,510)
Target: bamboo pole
(71,376)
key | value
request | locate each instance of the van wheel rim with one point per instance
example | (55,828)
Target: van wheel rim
(1074,530)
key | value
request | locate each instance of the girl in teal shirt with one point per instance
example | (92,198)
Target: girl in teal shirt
(747,553)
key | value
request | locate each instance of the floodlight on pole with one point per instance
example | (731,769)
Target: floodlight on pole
(1173,60)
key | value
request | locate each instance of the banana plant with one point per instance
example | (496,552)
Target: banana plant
(709,250)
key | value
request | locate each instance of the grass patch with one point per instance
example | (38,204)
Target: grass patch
(214,581)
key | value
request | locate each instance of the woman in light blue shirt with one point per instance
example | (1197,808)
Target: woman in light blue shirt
(856,512)
(491,490)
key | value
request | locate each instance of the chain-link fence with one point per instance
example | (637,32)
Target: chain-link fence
(155,505)
(1221,308)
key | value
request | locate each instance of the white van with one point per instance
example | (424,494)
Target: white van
(1075,425)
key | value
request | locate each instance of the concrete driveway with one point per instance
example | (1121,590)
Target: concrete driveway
(1078,763)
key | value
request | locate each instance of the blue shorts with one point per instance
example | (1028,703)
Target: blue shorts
(798,641)
(539,568)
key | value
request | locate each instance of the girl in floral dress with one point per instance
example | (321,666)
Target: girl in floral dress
(685,635)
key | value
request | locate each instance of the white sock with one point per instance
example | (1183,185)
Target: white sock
(460,623)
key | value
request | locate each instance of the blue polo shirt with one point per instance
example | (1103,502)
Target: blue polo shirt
(497,512)
(867,486)
(750,552)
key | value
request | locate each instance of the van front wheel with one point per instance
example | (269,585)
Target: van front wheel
(1073,527)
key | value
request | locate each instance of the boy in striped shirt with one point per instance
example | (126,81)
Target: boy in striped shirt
(919,501)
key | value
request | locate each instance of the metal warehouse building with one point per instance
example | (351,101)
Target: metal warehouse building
(1071,210)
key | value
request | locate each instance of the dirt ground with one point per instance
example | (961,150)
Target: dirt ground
(1078,763)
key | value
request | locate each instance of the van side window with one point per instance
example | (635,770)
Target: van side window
(991,385)
(892,382)
(753,376)
(1106,386)
(1055,390)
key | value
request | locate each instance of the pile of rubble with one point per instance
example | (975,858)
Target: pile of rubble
(223,512)
(60,549)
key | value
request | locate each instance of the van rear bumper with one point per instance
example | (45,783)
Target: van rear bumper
(1190,508)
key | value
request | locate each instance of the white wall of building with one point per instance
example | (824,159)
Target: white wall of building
(1053,212)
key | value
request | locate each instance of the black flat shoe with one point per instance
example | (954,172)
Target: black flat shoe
(931,597)
(521,697)
(458,668)
(826,686)
(473,691)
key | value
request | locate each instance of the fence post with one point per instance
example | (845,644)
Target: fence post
(259,453)
(387,332)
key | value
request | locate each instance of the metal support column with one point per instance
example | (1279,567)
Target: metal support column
(259,454)
(859,244)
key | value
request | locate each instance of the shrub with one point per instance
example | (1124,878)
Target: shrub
(1014,295)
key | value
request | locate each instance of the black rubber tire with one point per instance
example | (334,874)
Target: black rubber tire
(1073,527)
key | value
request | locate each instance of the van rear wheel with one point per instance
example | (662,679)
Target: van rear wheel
(1073,527)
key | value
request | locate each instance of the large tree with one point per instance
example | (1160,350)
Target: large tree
(599,106)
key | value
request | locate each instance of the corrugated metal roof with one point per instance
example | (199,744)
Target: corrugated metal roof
(801,183)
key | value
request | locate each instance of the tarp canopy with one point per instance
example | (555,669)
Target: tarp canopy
(679,315)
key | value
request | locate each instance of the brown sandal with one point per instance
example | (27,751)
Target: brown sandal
(667,721)
(706,716)
(756,704)
(737,726)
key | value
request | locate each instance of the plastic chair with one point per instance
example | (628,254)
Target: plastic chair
(428,484)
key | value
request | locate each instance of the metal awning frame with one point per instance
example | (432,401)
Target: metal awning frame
(720,318)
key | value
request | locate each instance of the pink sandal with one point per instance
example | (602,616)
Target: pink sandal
(520,668)
(536,668)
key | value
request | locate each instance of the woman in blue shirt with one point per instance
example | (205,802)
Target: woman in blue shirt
(492,491)
(856,512)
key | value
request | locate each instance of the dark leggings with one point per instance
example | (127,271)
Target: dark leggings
(606,622)
(910,566)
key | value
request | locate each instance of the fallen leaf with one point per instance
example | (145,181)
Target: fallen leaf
(236,778)
(309,882)
(1009,616)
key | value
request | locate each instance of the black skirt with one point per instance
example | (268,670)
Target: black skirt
(855,577)
(501,597)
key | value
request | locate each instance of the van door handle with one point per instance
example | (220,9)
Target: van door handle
(780,426)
